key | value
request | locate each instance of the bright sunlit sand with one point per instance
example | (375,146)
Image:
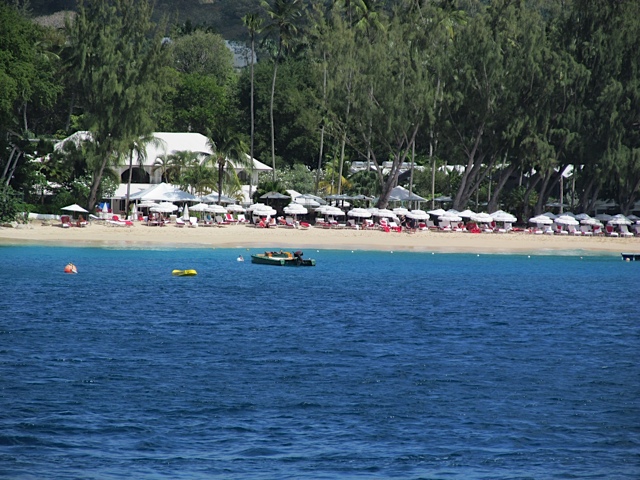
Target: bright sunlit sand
(238,236)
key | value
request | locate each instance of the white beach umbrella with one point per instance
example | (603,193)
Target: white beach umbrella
(633,217)
(234,207)
(329,210)
(400,211)
(146,204)
(504,217)
(74,208)
(199,207)
(256,206)
(418,215)
(582,216)
(295,209)
(438,212)
(359,213)
(164,208)
(541,220)
(619,220)
(384,213)
(265,212)
(450,217)
(168,206)
(466,213)
(215,208)
(482,217)
(185,213)
(550,215)
(566,220)
(591,221)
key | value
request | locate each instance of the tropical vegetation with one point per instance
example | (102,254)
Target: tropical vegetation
(497,104)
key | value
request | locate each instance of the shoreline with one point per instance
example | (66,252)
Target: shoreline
(141,236)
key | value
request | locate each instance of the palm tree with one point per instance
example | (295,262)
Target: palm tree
(198,178)
(162,163)
(139,147)
(179,162)
(229,149)
(284,16)
(253,23)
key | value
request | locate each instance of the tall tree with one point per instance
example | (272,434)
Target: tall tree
(285,16)
(138,148)
(229,149)
(118,59)
(253,23)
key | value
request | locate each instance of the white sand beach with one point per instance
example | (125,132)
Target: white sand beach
(246,236)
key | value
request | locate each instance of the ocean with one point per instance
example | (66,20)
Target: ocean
(371,365)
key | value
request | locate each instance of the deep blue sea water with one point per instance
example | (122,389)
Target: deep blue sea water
(370,365)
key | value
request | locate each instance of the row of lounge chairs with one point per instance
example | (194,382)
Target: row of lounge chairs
(587,230)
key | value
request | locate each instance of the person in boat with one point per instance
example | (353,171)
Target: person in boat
(240,258)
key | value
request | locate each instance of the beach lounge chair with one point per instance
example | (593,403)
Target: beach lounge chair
(636,230)
(444,226)
(351,223)
(290,222)
(597,230)
(586,230)
(180,222)
(573,230)
(193,222)
(561,231)
(65,221)
(610,232)
(115,221)
(368,223)
(395,227)
(241,218)
(220,222)
(229,218)
(624,231)
(304,226)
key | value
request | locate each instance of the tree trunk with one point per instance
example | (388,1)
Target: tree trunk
(324,106)
(273,129)
(220,174)
(530,188)
(95,185)
(344,140)
(13,168)
(126,203)
(471,160)
(8,165)
(504,176)
(253,123)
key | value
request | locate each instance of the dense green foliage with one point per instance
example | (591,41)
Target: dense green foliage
(513,92)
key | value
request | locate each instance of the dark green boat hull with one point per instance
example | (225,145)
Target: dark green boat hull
(279,261)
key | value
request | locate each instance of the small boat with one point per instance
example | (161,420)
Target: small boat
(283,259)
(628,257)
(184,273)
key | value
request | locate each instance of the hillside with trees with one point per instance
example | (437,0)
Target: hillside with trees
(508,104)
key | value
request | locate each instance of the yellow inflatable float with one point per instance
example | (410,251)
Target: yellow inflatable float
(184,273)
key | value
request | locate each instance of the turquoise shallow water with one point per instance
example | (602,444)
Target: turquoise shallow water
(369,365)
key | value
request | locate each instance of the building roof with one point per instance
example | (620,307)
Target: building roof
(169,143)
